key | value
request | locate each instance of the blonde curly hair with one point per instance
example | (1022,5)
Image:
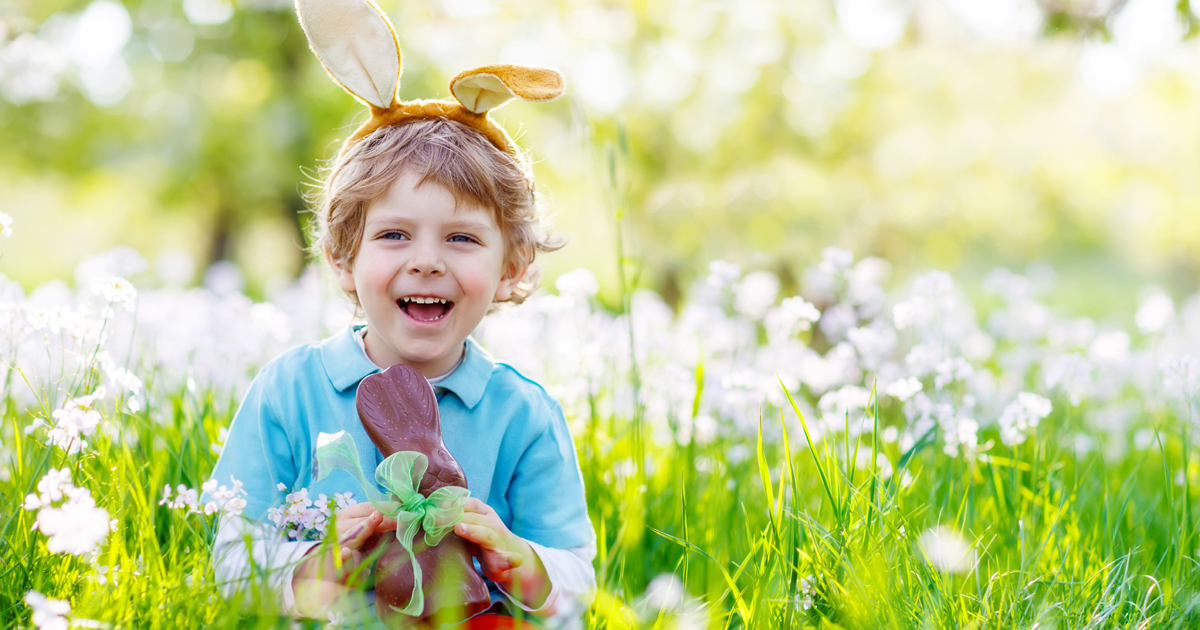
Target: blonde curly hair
(451,155)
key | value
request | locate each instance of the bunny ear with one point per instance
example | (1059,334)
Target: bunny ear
(484,89)
(357,45)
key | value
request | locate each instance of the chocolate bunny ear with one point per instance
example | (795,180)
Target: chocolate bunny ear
(399,411)
(357,45)
(483,89)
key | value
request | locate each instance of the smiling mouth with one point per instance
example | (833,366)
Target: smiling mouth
(425,309)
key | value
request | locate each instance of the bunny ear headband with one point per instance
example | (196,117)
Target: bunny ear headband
(356,43)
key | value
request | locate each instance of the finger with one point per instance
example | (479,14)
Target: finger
(480,535)
(386,524)
(351,523)
(355,538)
(505,561)
(358,510)
(479,520)
(491,521)
(350,560)
(476,506)
(366,532)
(495,566)
(503,576)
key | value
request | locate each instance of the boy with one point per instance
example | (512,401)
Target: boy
(427,224)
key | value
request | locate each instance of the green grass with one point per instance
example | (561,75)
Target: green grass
(1063,541)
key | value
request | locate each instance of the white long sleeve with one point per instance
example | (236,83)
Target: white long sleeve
(572,578)
(572,585)
(274,559)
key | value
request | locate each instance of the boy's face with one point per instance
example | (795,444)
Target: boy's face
(426,273)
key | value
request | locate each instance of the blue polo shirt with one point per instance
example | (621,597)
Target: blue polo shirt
(506,432)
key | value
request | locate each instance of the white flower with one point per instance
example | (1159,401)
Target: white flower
(580,284)
(116,291)
(950,370)
(960,434)
(185,498)
(835,259)
(1110,348)
(222,498)
(947,551)
(1182,376)
(74,422)
(52,488)
(336,621)
(1072,372)
(837,321)
(755,294)
(6,226)
(32,502)
(299,497)
(300,517)
(1021,415)
(722,274)
(1013,287)
(704,429)
(343,499)
(1155,313)
(904,388)
(281,487)
(48,614)
(77,527)
(807,591)
(847,399)
(873,343)
(125,380)
(793,315)
(932,293)
(219,446)
(664,592)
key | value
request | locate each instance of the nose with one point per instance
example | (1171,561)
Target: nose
(426,259)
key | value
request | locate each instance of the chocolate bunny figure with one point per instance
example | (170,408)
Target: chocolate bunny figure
(399,411)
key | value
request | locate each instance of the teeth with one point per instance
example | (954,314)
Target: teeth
(424,300)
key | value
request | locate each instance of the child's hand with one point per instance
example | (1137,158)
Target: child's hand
(506,558)
(318,581)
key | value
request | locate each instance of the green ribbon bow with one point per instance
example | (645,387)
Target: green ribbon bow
(400,474)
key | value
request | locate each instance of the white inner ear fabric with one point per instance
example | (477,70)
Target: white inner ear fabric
(481,92)
(353,41)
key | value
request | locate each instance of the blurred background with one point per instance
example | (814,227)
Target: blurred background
(950,134)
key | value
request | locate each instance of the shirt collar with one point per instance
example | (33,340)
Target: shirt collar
(471,377)
(346,364)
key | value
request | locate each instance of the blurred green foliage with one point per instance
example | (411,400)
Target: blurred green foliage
(933,133)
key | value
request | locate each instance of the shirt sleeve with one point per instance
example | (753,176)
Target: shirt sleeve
(245,550)
(546,492)
(257,451)
(572,585)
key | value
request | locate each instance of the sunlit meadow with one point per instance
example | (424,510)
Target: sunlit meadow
(816,437)
(866,454)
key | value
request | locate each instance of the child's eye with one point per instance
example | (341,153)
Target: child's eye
(462,238)
(393,236)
